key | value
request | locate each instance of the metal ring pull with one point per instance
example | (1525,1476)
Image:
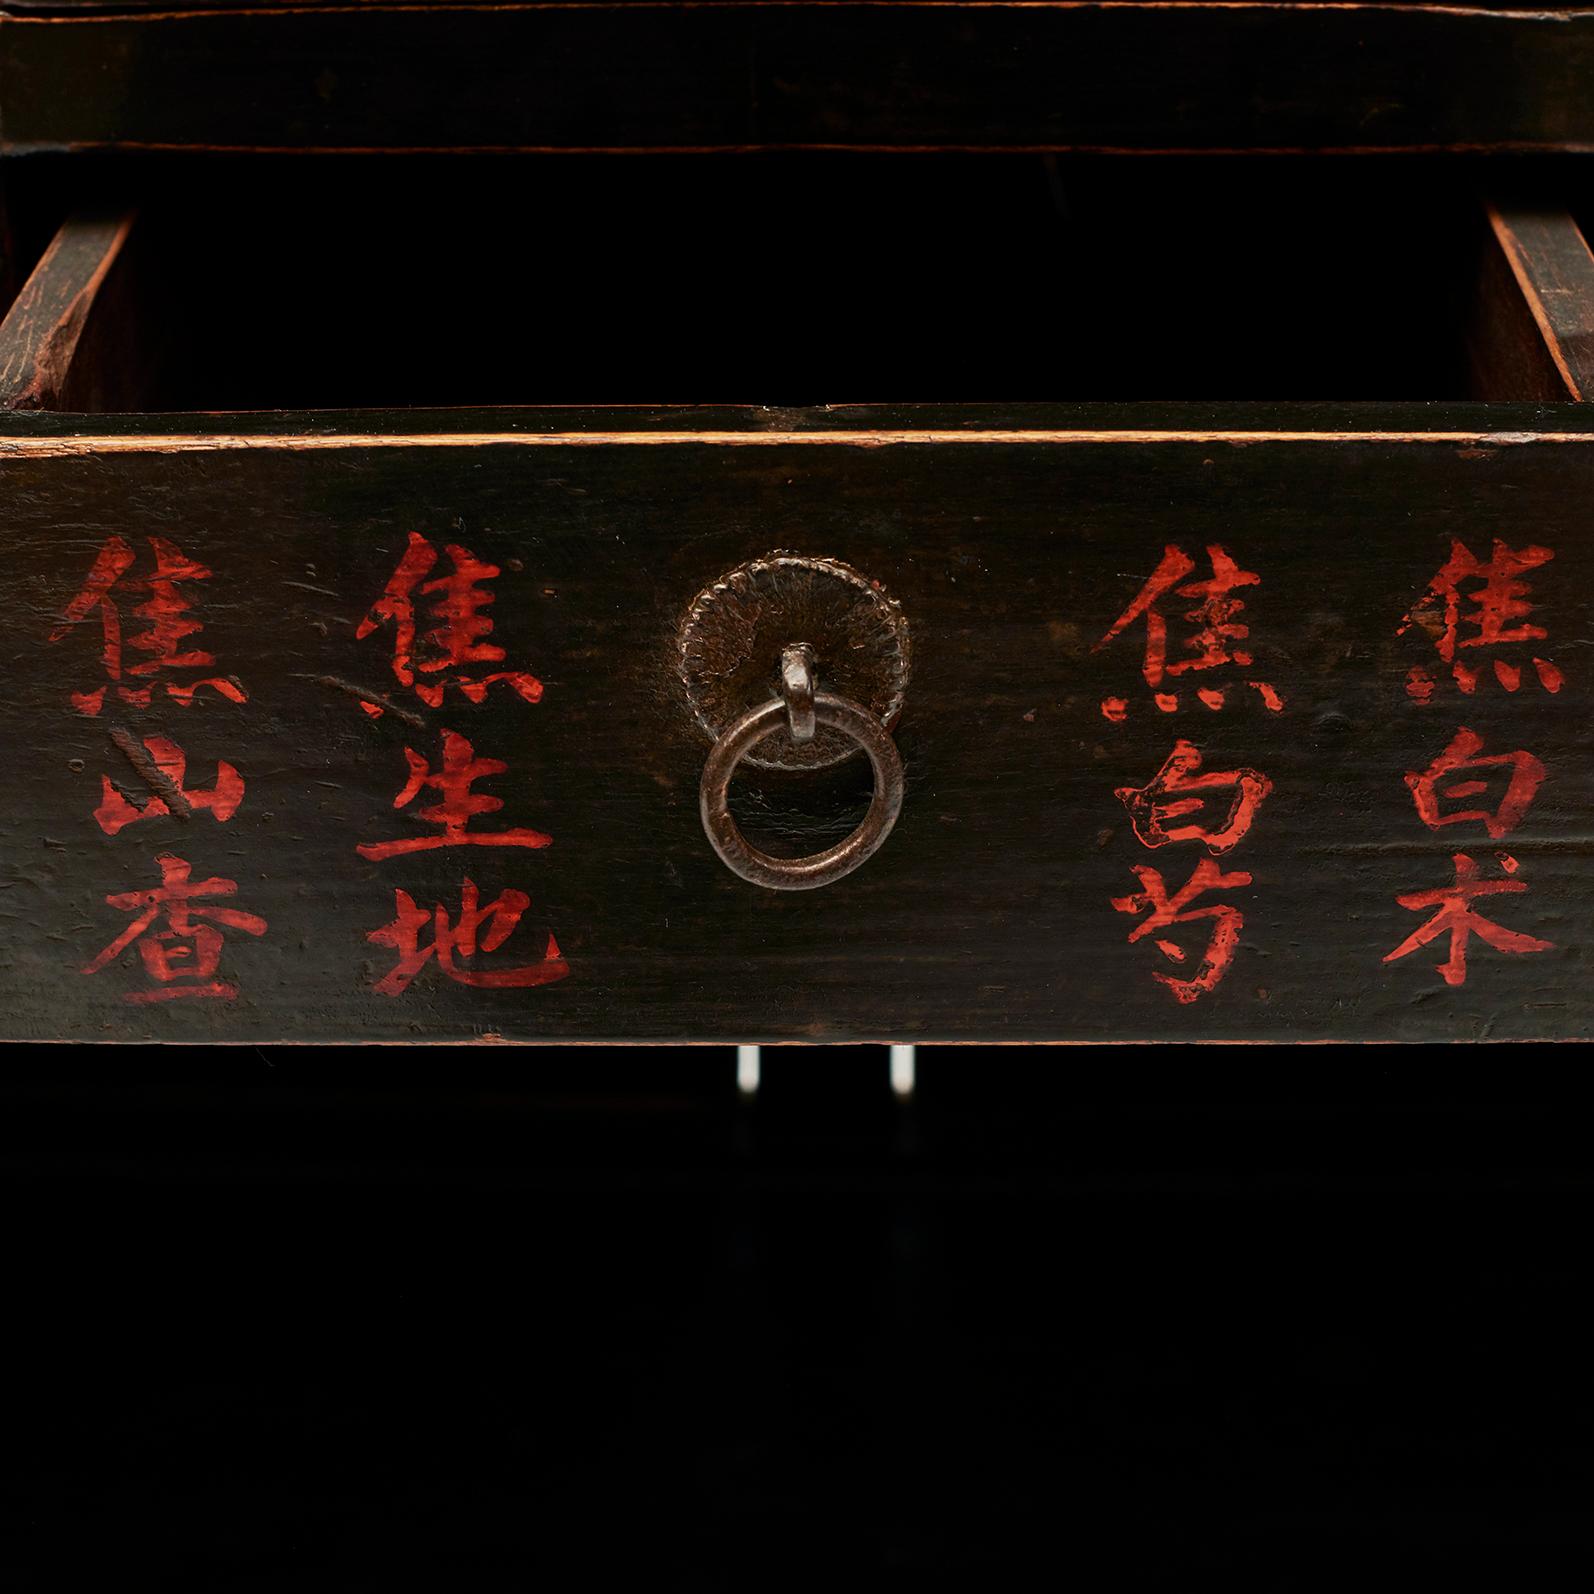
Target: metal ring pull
(743,734)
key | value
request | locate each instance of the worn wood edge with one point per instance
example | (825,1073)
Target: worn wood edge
(1558,291)
(1525,16)
(246,442)
(869,1038)
(1142,418)
(57,12)
(1509,341)
(1508,353)
(42,333)
(21,147)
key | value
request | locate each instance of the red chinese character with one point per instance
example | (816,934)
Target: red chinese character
(1216,628)
(1454,917)
(460,770)
(1165,910)
(168,625)
(1526,774)
(165,769)
(1167,797)
(499,917)
(1498,596)
(458,635)
(184,956)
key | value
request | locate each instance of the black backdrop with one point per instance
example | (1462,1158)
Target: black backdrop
(472,1316)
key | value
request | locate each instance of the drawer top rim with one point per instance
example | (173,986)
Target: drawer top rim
(38,433)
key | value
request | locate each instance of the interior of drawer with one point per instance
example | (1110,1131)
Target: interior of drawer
(791,280)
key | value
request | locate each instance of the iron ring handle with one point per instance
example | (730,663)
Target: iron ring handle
(819,868)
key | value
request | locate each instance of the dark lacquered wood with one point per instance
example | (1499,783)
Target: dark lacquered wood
(1509,356)
(70,340)
(1013,540)
(1536,322)
(732,76)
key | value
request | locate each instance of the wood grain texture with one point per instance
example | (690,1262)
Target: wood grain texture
(760,76)
(64,343)
(1507,354)
(68,8)
(989,912)
(1543,258)
(42,433)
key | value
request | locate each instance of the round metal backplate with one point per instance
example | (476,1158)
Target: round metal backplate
(735,629)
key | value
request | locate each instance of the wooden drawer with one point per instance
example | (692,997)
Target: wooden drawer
(1203,690)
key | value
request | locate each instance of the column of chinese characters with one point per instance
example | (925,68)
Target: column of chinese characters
(1183,802)
(1475,611)
(148,659)
(432,655)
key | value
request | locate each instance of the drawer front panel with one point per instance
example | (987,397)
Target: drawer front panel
(1350,666)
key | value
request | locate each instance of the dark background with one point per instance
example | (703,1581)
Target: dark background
(468,1316)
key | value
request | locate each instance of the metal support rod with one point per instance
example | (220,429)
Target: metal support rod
(748,1068)
(904,1067)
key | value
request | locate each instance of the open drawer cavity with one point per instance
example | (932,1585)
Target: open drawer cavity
(798,281)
